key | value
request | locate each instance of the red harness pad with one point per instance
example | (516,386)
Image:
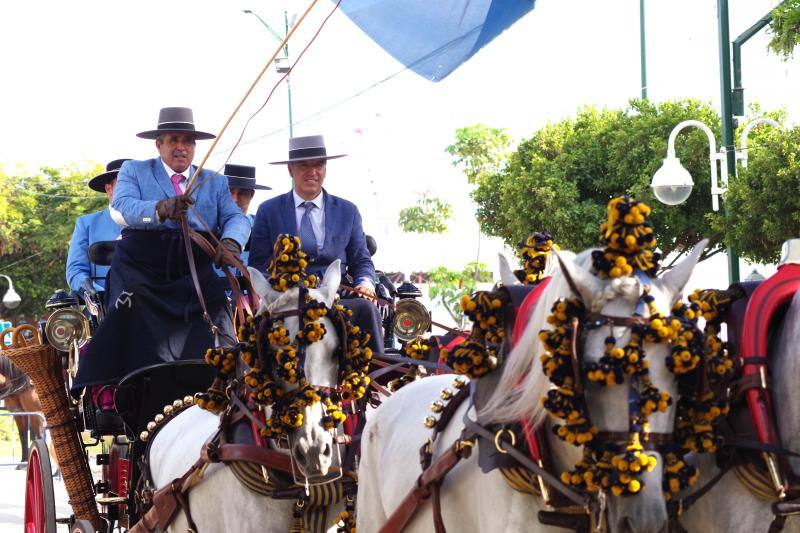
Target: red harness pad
(525,310)
(768,297)
(533,437)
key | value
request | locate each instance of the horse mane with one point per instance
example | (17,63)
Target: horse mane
(522,383)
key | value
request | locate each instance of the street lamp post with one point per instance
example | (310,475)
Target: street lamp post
(11,299)
(282,64)
(642,49)
(672,184)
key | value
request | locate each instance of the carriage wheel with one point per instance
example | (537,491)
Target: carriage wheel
(40,503)
(82,526)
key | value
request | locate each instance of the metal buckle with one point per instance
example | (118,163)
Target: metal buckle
(462,443)
(512,439)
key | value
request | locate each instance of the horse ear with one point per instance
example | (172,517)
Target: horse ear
(331,281)
(506,274)
(675,278)
(588,286)
(262,286)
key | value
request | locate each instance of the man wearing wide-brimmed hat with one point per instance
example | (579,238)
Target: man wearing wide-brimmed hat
(329,228)
(243,186)
(90,229)
(155,314)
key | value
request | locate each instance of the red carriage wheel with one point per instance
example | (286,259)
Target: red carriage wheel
(82,526)
(40,503)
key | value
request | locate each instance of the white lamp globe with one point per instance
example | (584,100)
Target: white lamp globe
(12,299)
(672,184)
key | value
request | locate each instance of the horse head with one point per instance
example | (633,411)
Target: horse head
(311,443)
(614,305)
(608,406)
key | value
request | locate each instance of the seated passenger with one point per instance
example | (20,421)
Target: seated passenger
(92,228)
(329,228)
(154,312)
(243,186)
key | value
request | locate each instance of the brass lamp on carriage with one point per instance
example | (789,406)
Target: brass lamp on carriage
(411,318)
(67,329)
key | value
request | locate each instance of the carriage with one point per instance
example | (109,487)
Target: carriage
(754,439)
(116,418)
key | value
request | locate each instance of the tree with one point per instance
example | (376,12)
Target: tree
(479,150)
(448,286)
(763,205)
(428,215)
(37,216)
(561,178)
(785,27)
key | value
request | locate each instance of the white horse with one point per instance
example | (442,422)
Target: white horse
(472,501)
(220,502)
(729,506)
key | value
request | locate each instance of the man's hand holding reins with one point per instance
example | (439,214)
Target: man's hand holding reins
(227,251)
(172,208)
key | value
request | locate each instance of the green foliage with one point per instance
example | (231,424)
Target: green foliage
(561,178)
(448,286)
(37,216)
(429,215)
(785,27)
(763,204)
(479,150)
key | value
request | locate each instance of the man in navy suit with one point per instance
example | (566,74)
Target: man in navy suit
(154,311)
(329,228)
(90,229)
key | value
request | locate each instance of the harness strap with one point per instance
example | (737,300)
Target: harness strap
(427,482)
(735,441)
(651,441)
(251,453)
(386,368)
(525,461)
(751,381)
(677,507)
(426,452)
(410,361)
(166,502)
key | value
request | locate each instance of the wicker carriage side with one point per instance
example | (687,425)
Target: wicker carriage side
(43,365)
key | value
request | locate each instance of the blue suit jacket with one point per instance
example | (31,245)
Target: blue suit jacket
(344,236)
(89,229)
(142,184)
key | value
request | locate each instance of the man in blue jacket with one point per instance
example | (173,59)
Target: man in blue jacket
(329,228)
(92,228)
(154,311)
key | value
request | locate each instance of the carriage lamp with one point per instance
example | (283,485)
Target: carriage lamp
(11,299)
(67,327)
(411,319)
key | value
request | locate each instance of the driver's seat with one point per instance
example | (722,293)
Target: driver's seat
(142,394)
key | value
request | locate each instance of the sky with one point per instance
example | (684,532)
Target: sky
(80,79)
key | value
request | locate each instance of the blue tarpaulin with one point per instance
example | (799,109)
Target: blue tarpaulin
(434,37)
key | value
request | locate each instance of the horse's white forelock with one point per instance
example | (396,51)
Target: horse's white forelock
(286,299)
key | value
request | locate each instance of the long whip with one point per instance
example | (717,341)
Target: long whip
(247,94)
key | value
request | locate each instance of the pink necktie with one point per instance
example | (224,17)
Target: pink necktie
(176,179)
